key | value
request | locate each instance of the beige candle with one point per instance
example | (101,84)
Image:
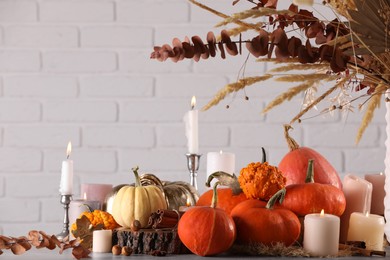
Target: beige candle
(102,241)
(77,207)
(368,228)
(378,192)
(358,194)
(321,234)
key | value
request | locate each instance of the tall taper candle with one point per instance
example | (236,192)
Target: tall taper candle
(66,184)
(191,122)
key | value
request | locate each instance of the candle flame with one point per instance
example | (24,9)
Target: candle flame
(381,173)
(68,150)
(193,102)
(85,196)
(367,214)
(188,203)
(220,151)
(322,213)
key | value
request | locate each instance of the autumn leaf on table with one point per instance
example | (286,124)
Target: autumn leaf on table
(84,230)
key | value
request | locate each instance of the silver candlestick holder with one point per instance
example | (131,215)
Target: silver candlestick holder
(193,167)
(65,201)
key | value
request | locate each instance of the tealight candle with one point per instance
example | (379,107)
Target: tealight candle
(378,192)
(191,123)
(321,234)
(220,161)
(66,184)
(368,228)
(102,241)
(358,194)
(186,207)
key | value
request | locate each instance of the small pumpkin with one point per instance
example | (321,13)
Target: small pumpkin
(176,193)
(207,230)
(97,217)
(228,197)
(312,197)
(294,164)
(137,203)
(260,180)
(258,222)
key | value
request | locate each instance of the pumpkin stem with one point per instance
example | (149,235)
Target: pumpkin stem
(292,144)
(264,158)
(214,201)
(278,195)
(225,179)
(310,172)
(137,179)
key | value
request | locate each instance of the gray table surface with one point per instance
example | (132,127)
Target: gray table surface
(45,254)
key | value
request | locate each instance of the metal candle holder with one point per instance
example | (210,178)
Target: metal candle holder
(193,166)
(65,200)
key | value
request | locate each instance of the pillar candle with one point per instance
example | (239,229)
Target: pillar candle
(220,161)
(66,184)
(321,234)
(358,194)
(191,123)
(96,192)
(368,228)
(102,241)
(378,192)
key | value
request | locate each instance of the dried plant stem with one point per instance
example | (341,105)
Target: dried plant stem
(234,87)
(320,98)
(294,66)
(238,22)
(288,95)
(374,103)
(305,77)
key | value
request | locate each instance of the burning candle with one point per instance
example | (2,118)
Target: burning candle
(358,194)
(378,192)
(191,122)
(66,184)
(321,234)
(368,228)
(186,207)
(220,162)
(102,241)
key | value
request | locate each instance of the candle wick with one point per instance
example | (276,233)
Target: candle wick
(67,156)
(192,107)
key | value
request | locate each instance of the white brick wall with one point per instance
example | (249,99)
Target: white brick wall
(79,70)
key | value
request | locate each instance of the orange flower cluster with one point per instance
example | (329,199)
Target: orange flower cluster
(261,180)
(99,217)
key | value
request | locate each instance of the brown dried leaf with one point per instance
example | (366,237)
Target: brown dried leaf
(293,46)
(34,237)
(212,43)
(222,50)
(1,252)
(55,241)
(18,249)
(80,252)
(189,51)
(231,47)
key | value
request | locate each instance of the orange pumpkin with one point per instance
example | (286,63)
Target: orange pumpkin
(294,164)
(206,230)
(263,224)
(312,197)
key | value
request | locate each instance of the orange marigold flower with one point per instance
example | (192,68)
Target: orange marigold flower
(261,180)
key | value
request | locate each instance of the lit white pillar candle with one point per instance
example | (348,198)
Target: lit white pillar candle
(368,228)
(102,241)
(378,192)
(358,194)
(191,123)
(66,184)
(321,234)
(220,161)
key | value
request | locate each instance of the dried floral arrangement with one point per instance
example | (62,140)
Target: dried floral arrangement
(349,55)
(39,239)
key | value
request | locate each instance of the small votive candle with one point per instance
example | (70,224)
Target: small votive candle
(321,234)
(102,241)
(368,228)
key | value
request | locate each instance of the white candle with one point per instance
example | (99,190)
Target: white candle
(102,241)
(79,206)
(368,228)
(191,123)
(66,184)
(378,192)
(358,194)
(220,161)
(321,234)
